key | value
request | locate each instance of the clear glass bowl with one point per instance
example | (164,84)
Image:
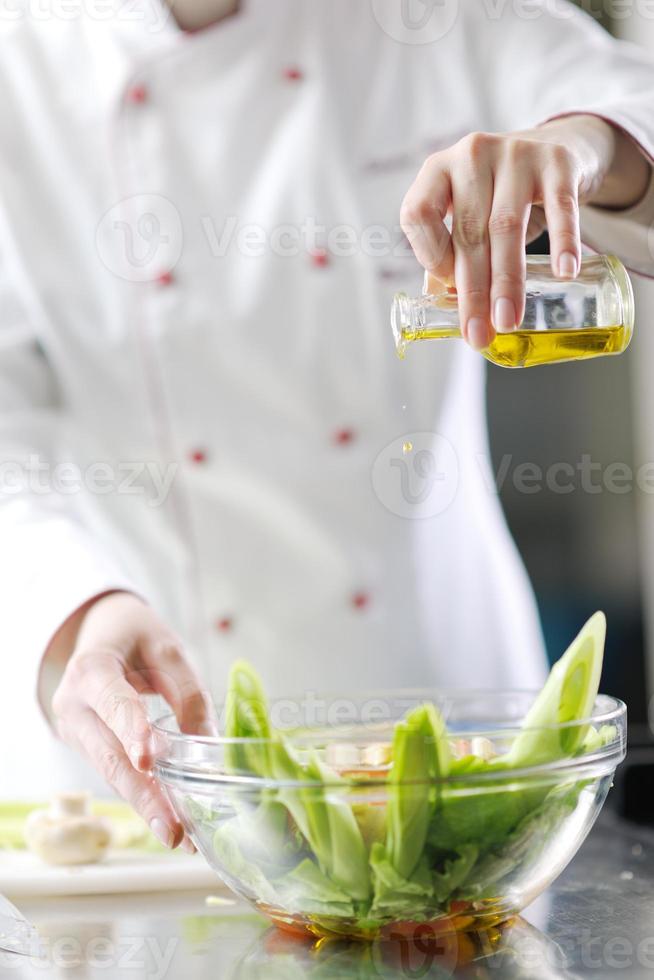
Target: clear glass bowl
(496,838)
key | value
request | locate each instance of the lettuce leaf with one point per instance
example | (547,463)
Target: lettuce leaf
(597,738)
(455,871)
(420,756)
(307,889)
(325,819)
(395,896)
(483,814)
(322,814)
(488,812)
(245,872)
(246,717)
(567,698)
(527,840)
(425,894)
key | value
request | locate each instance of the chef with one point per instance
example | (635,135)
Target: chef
(203,417)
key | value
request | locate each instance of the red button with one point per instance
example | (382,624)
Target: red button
(137,94)
(224,625)
(360,600)
(343,437)
(293,74)
(319,258)
(165,278)
(198,456)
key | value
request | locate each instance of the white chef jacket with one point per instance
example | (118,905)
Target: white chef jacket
(160,306)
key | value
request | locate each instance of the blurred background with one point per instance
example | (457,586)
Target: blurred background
(588,550)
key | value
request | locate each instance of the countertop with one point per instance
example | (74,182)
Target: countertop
(597,921)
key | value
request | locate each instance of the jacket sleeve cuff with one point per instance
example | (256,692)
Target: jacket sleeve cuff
(627,232)
(56,568)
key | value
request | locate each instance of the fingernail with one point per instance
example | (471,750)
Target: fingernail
(504,315)
(567,265)
(187,845)
(138,754)
(477,332)
(161,831)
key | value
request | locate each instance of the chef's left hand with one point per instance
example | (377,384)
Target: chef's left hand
(502,191)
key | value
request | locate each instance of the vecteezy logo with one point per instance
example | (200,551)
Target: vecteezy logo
(140,237)
(416,476)
(421,951)
(416,21)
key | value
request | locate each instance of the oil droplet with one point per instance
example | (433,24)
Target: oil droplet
(407,447)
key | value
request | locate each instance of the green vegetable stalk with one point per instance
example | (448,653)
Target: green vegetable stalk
(318,808)
(325,818)
(246,716)
(421,756)
(567,699)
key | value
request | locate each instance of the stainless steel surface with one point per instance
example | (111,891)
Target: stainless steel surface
(596,921)
(16,933)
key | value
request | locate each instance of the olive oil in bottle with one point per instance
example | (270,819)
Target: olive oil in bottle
(565,320)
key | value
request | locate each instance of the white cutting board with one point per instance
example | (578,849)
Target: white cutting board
(22,873)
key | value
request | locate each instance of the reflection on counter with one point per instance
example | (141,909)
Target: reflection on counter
(515,950)
(596,921)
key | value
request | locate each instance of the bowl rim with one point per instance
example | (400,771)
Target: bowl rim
(606,710)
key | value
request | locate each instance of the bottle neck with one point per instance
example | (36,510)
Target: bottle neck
(427,317)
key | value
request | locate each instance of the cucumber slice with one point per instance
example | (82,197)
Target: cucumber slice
(568,696)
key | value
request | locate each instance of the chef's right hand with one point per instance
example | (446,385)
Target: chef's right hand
(123,651)
(501,191)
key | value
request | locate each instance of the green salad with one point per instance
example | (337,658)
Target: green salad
(440,825)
